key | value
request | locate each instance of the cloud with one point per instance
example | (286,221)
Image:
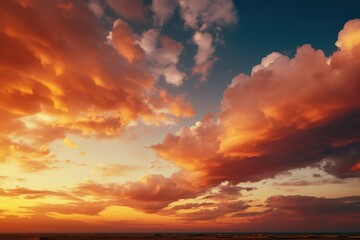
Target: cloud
(122,38)
(225,192)
(170,51)
(191,146)
(163,60)
(164,102)
(72,81)
(207,12)
(131,10)
(150,194)
(29,158)
(82,207)
(289,114)
(149,40)
(162,195)
(309,183)
(290,213)
(173,75)
(111,170)
(349,36)
(191,206)
(154,192)
(163,10)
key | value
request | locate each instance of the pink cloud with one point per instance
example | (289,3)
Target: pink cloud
(163,10)
(207,12)
(163,60)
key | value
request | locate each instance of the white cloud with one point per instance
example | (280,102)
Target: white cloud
(149,40)
(70,143)
(190,11)
(173,76)
(204,16)
(204,58)
(163,60)
(203,41)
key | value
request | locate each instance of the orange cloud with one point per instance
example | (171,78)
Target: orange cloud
(149,194)
(83,207)
(122,38)
(61,77)
(35,194)
(216,211)
(290,113)
(279,212)
(163,60)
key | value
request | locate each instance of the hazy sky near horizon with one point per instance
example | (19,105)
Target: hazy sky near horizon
(188,115)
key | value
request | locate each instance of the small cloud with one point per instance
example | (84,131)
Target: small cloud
(208,12)
(122,38)
(163,60)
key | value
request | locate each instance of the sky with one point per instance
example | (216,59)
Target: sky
(179,116)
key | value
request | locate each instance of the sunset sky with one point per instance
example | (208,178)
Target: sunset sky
(179,116)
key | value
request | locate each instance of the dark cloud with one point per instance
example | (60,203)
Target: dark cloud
(312,206)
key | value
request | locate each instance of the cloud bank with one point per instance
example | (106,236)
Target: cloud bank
(289,114)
